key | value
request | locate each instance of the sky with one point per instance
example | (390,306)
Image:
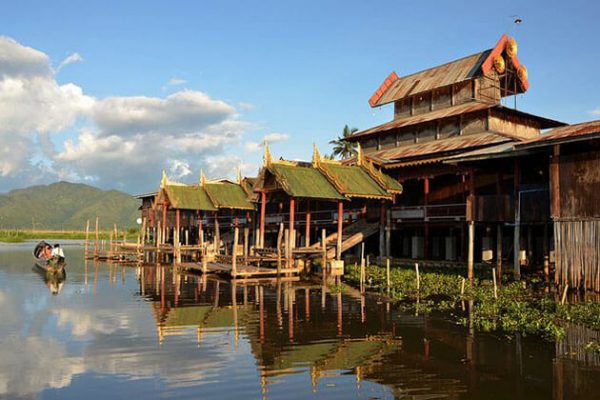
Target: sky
(110,93)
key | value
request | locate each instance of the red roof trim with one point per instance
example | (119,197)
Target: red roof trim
(383,88)
(488,64)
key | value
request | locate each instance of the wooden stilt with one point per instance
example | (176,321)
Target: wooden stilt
(236,232)
(97,243)
(388,233)
(499,237)
(382,229)
(340,223)
(517,229)
(263,205)
(292,221)
(324,249)
(87,237)
(307,230)
(279,244)
(246,244)
(471,251)
(287,248)
(217,234)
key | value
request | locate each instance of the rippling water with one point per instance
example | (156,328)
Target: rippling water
(118,332)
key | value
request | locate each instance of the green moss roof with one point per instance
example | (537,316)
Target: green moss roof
(304,182)
(353,181)
(228,195)
(185,197)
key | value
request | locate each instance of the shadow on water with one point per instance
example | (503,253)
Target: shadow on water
(155,332)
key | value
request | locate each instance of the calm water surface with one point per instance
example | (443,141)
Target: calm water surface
(119,332)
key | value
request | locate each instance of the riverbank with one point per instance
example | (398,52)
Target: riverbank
(525,307)
(19,235)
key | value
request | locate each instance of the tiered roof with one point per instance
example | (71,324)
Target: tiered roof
(207,196)
(327,179)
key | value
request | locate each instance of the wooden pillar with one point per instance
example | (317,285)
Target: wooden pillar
(388,233)
(236,233)
(292,221)
(340,223)
(382,230)
(307,231)
(217,237)
(555,182)
(165,206)
(200,229)
(499,234)
(426,219)
(178,224)
(263,205)
(471,222)
(517,230)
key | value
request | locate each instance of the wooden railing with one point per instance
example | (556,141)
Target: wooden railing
(453,211)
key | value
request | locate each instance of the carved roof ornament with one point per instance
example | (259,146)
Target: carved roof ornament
(267,159)
(239,175)
(164,181)
(202,178)
(360,157)
(316,158)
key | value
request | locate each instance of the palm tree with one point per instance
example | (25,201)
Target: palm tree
(342,147)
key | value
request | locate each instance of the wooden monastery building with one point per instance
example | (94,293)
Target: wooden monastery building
(459,175)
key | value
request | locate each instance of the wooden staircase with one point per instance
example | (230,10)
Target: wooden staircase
(352,235)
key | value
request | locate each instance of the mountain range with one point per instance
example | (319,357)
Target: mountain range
(65,205)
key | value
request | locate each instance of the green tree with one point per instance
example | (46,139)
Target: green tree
(343,148)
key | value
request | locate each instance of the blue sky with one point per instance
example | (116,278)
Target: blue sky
(296,71)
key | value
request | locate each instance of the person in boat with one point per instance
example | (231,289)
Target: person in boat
(47,252)
(57,251)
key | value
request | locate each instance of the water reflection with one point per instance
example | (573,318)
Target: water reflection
(156,332)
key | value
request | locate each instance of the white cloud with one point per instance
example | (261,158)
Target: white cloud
(276,137)
(226,165)
(122,141)
(245,106)
(176,82)
(252,147)
(596,111)
(73,58)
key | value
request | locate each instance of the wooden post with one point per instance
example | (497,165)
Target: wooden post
(324,249)
(217,237)
(200,229)
(388,233)
(279,244)
(204,259)
(495,286)
(246,238)
(165,206)
(110,246)
(382,229)
(96,248)
(426,219)
(178,224)
(387,275)
(236,233)
(555,181)
(340,223)
(471,222)
(307,230)
(362,267)
(87,237)
(499,234)
(287,248)
(418,277)
(292,220)
(263,205)
(517,230)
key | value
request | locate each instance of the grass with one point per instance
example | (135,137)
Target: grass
(20,235)
(523,308)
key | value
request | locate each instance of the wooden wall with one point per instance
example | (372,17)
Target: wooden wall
(580,186)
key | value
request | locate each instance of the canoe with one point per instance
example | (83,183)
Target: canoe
(55,265)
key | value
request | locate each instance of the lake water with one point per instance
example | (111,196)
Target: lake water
(125,332)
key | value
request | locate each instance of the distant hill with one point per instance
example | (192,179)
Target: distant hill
(68,206)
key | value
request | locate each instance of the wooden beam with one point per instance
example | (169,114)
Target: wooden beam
(263,204)
(307,231)
(340,224)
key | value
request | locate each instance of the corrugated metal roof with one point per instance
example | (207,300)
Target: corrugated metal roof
(436,77)
(564,134)
(454,144)
(483,153)
(470,107)
(426,117)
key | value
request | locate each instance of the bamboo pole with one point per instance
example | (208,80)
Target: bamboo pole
(387,275)
(87,237)
(495,286)
(96,249)
(279,244)
(418,277)
(564,295)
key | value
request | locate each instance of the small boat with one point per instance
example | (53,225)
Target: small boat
(52,266)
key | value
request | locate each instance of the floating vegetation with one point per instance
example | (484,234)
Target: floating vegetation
(518,307)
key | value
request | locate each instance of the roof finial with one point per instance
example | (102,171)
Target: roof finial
(164,181)
(239,175)
(202,178)
(360,157)
(316,158)
(267,155)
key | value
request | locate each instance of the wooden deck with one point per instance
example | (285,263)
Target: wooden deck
(242,271)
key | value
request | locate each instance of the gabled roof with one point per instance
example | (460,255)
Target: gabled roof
(463,69)
(569,133)
(353,181)
(225,194)
(387,158)
(187,197)
(302,181)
